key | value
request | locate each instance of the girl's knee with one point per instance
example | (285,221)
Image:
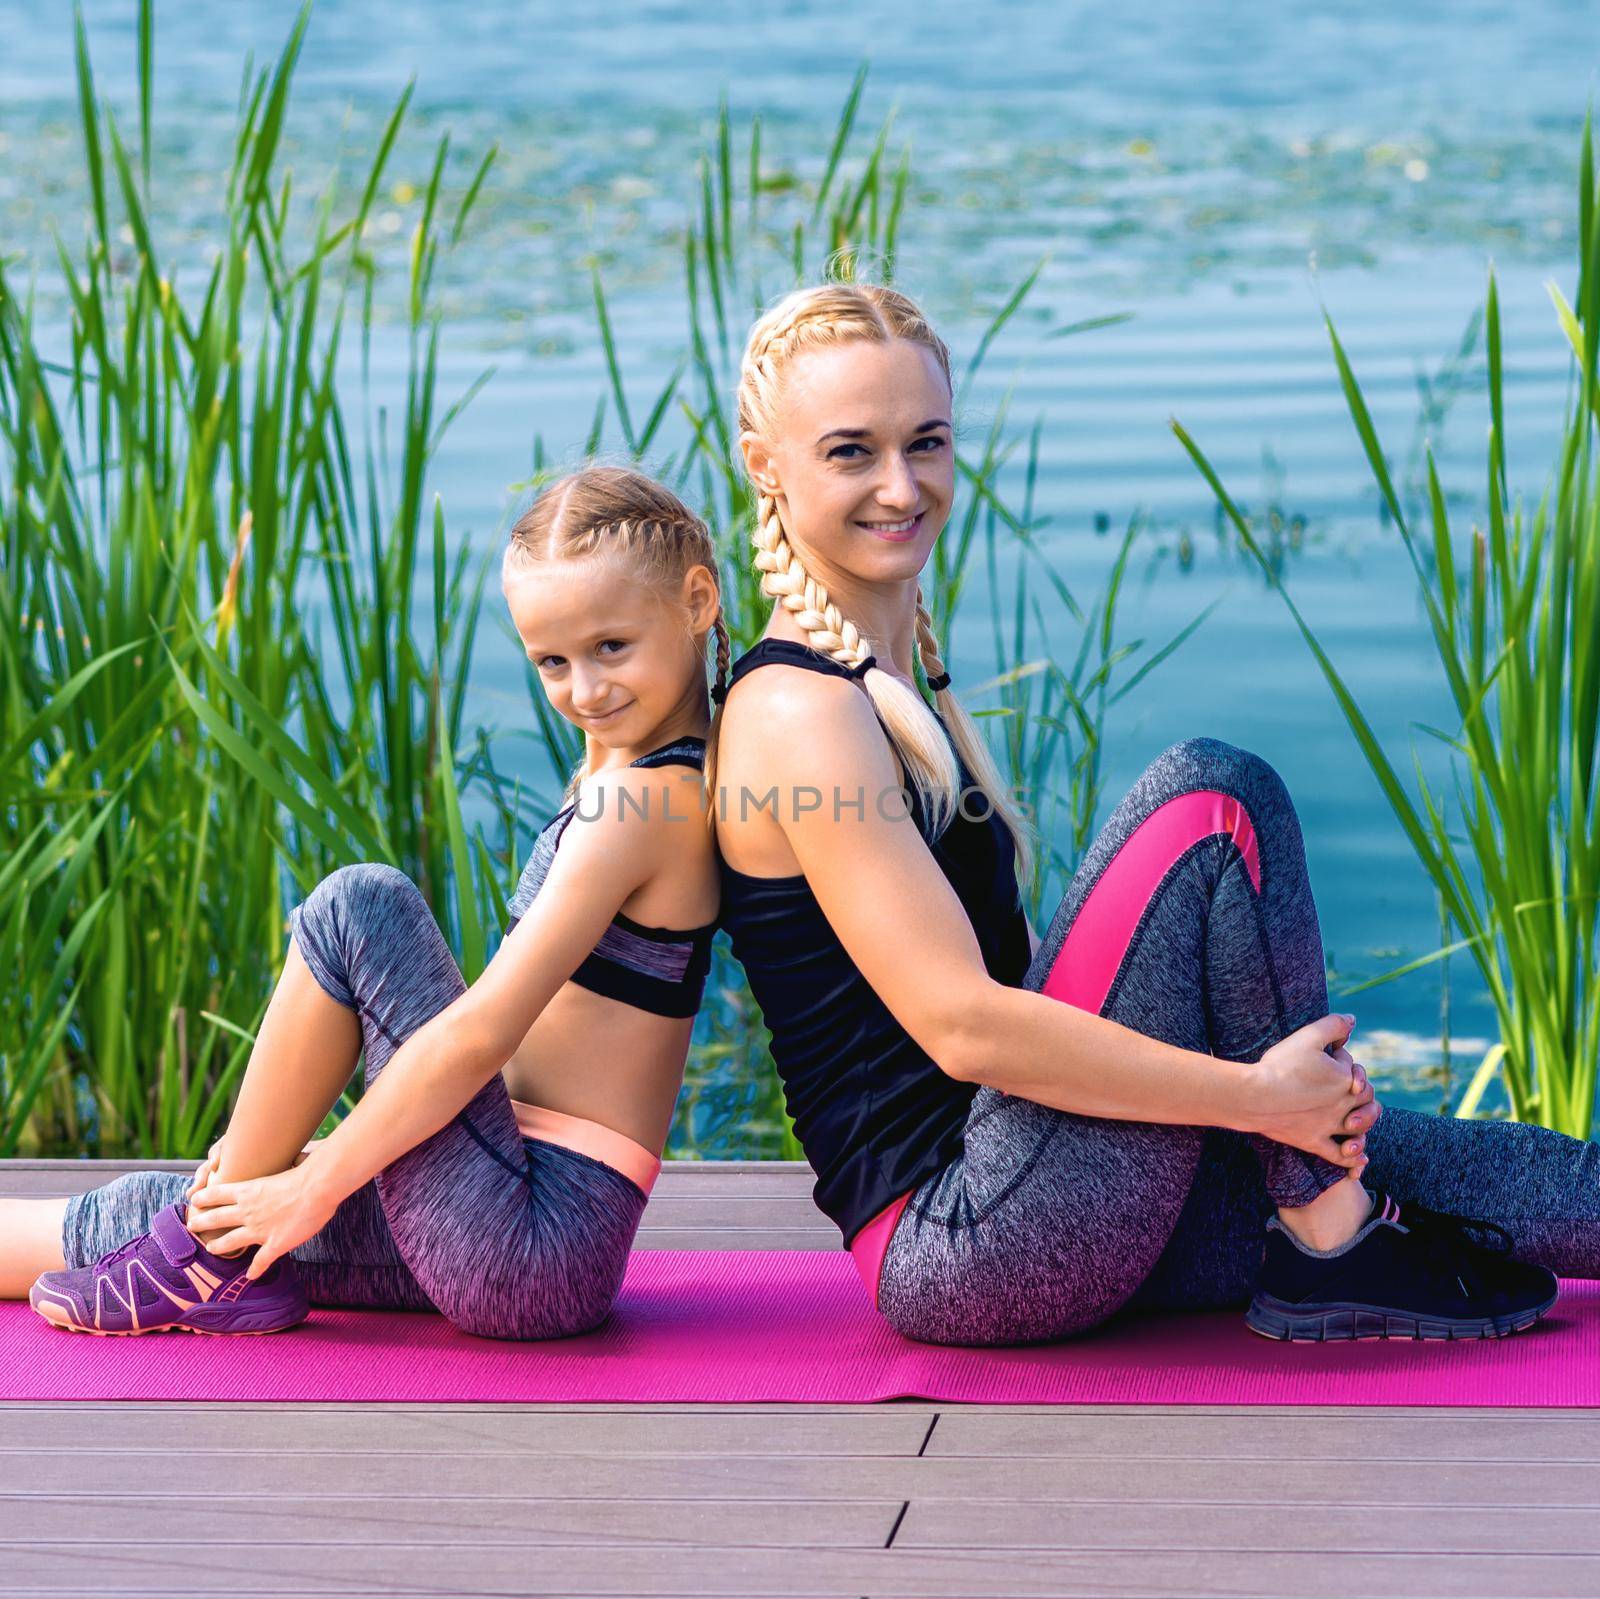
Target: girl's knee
(351,899)
(362,886)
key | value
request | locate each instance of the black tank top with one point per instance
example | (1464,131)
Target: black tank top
(873,1112)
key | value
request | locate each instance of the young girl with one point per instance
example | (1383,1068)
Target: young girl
(498,1162)
(1016,1139)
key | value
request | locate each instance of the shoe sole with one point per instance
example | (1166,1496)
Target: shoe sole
(1339,1323)
(66,1324)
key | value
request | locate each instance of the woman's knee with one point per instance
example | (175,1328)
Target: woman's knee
(1216,760)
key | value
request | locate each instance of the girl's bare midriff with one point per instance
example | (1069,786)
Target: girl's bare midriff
(631,1085)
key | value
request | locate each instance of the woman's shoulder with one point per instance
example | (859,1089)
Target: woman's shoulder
(795,685)
(791,659)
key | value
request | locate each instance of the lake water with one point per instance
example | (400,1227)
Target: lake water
(1221,175)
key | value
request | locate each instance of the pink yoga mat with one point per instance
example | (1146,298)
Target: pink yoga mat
(743,1326)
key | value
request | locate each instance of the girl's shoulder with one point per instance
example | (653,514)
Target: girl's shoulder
(659,807)
(656,815)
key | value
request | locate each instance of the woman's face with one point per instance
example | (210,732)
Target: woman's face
(862,465)
(614,656)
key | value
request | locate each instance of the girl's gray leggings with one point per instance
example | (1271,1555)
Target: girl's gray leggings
(508,1237)
(1191,920)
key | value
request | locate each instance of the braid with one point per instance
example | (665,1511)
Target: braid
(719,689)
(783,575)
(928,648)
(785,579)
(636,530)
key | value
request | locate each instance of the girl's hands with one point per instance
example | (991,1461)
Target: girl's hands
(276,1213)
(1310,1094)
(206,1170)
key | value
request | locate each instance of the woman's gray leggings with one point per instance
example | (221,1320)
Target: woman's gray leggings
(508,1237)
(1191,920)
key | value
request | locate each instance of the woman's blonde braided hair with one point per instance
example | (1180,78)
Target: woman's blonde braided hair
(817,318)
(621,516)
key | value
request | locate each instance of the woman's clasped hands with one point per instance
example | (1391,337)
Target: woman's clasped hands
(1307,1091)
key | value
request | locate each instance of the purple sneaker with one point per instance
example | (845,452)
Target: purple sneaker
(167,1280)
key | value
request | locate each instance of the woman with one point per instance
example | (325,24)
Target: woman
(498,1163)
(1006,1167)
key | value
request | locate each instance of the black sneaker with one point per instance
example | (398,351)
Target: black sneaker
(1413,1276)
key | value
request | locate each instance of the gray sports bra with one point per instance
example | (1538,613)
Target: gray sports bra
(659,969)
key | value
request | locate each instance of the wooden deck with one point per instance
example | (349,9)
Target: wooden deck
(894,1499)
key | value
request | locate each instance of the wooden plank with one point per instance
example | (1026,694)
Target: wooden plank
(744,1210)
(82,1408)
(1488,1415)
(318,1569)
(50,1179)
(195,1430)
(363,1520)
(1374,1529)
(864,1431)
(1317,1435)
(736,1179)
(695,1204)
(734,1170)
(735,1237)
(446,1475)
(792,1212)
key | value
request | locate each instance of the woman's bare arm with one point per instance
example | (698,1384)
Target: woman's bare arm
(904,927)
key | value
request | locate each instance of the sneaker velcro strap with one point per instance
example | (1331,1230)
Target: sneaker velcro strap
(178,1244)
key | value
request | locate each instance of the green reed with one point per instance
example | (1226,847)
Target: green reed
(1518,638)
(193,442)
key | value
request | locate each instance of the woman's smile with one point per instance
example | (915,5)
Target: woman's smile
(896,532)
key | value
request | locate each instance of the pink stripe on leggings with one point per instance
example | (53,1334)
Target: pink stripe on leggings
(1098,939)
(1087,962)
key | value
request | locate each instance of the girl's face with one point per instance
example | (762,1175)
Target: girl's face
(615,656)
(862,466)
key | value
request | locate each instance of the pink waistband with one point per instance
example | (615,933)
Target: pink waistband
(871,1244)
(604,1144)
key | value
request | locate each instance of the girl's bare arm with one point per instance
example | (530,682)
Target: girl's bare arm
(437,1070)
